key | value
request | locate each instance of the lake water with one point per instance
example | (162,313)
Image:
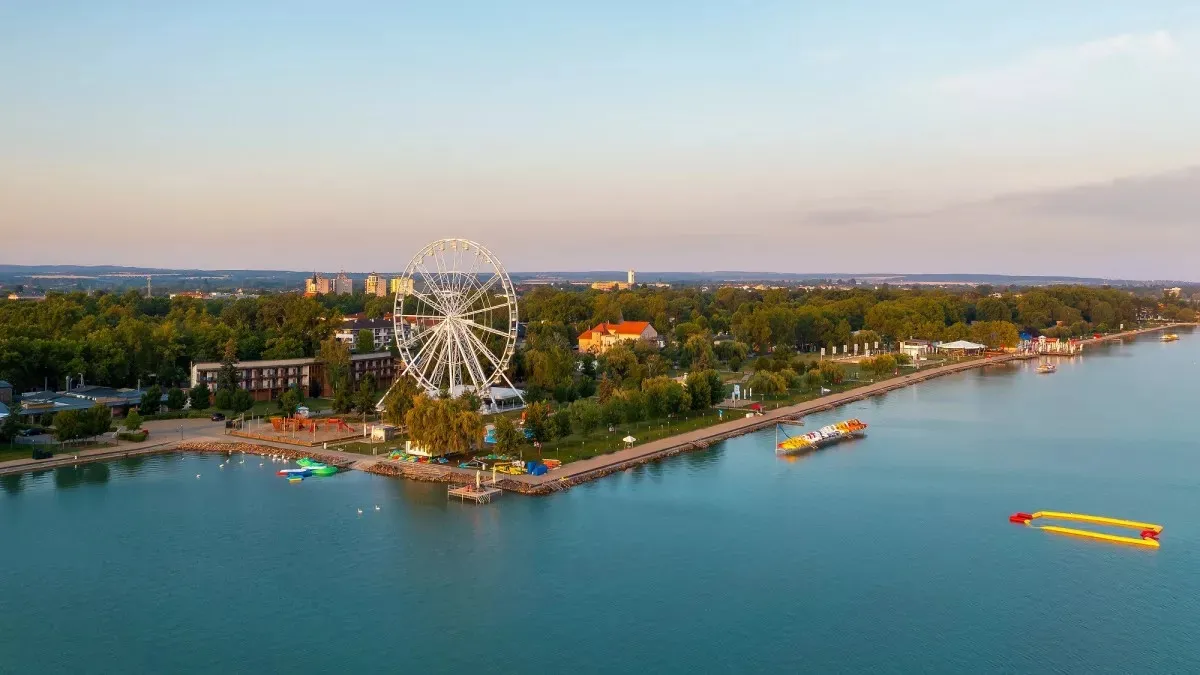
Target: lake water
(889,554)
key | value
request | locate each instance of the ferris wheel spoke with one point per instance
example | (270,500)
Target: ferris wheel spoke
(470,360)
(488,329)
(483,349)
(483,309)
(482,290)
(432,302)
(435,334)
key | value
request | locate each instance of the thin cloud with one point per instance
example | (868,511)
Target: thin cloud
(1055,70)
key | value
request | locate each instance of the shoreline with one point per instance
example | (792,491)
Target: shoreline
(569,475)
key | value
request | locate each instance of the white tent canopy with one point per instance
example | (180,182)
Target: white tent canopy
(961,344)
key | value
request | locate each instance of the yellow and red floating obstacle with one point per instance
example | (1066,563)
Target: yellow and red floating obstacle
(1148,536)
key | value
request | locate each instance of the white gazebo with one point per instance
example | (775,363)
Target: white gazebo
(962,347)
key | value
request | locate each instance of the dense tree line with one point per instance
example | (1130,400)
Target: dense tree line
(808,320)
(117,340)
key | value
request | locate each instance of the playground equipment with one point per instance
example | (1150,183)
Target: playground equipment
(310,425)
(1147,537)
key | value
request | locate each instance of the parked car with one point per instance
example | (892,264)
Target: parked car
(218,417)
(30,432)
(303,411)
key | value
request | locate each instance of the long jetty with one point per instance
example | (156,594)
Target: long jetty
(571,474)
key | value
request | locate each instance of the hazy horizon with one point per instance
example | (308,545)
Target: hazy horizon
(776,137)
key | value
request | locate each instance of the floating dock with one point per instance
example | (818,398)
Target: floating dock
(1147,537)
(471,493)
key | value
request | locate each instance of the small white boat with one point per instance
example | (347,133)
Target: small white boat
(1047,368)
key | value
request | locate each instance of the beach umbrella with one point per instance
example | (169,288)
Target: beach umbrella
(629,440)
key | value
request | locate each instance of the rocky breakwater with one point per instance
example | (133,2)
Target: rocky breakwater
(429,473)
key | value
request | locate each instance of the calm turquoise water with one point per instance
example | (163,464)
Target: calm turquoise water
(892,554)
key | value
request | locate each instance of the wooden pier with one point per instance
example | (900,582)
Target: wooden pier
(480,495)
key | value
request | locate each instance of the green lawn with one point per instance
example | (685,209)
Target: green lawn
(602,441)
(366,448)
(11,451)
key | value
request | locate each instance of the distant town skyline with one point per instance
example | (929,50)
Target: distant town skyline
(1025,138)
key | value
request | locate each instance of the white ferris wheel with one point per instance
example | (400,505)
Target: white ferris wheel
(456,318)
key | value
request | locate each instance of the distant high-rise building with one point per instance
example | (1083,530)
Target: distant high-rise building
(632,277)
(400,285)
(343,284)
(375,285)
(317,285)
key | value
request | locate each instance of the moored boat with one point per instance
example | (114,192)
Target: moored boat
(822,437)
(1046,368)
(1169,337)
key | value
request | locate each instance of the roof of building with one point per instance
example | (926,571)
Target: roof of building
(37,402)
(372,355)
(5,385)
(3,411)
(622,328)
(358,323)
(274,363)
(94,393)
(961,344)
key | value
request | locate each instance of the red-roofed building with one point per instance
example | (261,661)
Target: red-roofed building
(599,339)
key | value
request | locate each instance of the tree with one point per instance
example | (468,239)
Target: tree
(537,421)
(364,342)
(700,386)
(732,352)
(443,425)
(992,309)
(8,427)
(227,376)
(613,410)
(635,405)
(133,421)
(68,426)
(793,379)
(290,400)
(995,334)
(508,437)
(364,398)
(699,351)
(561,423)
(399,399)
(175,399)
(471,400)
(343,400)
(199,397)
(223,399)
(336,357)
(766,383)
(151,400)
(620,365)
(832,373)
(585,416)
(812,379)
(605,389)
(240,401)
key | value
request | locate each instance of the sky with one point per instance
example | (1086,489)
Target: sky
(1024,137)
